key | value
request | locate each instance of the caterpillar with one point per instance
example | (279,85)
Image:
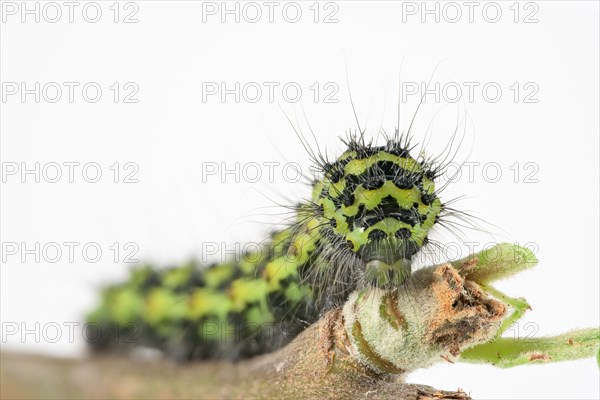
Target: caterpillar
(370,213)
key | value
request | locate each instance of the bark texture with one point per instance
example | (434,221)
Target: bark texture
(360,351)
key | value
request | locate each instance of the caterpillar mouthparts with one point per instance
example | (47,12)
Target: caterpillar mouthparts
(387,275)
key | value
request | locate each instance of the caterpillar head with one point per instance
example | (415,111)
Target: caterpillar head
(376,206)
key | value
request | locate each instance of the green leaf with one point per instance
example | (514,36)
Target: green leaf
(498,262)
(511,352)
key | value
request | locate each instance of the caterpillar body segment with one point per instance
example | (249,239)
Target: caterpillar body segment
(369,214)
(231,310)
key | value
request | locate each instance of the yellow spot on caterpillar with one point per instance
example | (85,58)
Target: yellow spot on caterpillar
(277,270)
(372,198)
(207,301)
(357,167)
(162,305)
(295,292)
(124,305)
(246,291)
(258,316)
(215,276)
(177,276)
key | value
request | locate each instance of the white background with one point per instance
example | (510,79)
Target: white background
(170,132)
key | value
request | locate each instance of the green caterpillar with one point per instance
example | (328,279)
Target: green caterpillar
(368,216)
